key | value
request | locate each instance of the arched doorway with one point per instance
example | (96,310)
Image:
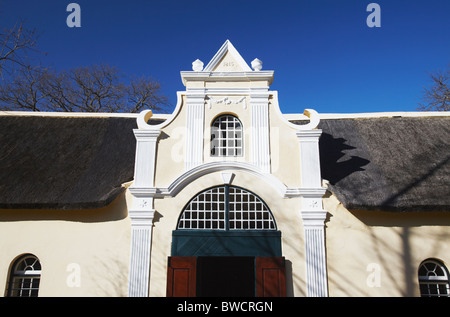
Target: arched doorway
(226,244)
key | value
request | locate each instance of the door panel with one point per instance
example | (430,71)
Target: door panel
(181,277)
(226,243)
(270,277)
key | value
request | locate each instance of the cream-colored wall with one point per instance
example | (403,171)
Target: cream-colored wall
(373,253)
(170,151)
(284,148)
(363,247)
(95,241)
(285,212)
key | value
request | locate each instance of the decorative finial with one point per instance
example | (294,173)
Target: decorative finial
(197,65)
(256,65)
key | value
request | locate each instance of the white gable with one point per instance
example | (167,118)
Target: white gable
(228,59)
(227,65)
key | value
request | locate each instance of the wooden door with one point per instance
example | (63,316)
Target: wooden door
(181,277)
(270,277)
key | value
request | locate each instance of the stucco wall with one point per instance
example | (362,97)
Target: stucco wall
(89,246)
(369,253)
(171,148)
(374,253)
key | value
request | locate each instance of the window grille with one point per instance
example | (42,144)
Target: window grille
(226,136)
(25,277)
(247,211)
(226,208)
(433,279)
(205,211)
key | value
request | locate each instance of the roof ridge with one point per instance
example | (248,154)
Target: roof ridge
(398,114)
(288,116)
(79,114)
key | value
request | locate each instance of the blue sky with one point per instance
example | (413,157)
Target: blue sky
(323,53)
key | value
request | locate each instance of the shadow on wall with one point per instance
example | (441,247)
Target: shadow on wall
(115,211)
(397,242)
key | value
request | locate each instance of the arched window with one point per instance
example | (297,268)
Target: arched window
(226,208)
(25,277)
(433,279)
(226,136)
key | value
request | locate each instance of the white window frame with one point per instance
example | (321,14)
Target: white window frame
(25,283)
(236,209)
(227,141)
(436,280)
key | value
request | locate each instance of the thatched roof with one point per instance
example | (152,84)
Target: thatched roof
(64,162)
(391,164)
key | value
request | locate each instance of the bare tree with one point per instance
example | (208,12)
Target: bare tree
(24,91)
(437,97)
(143,93)
(88,89)
(96,88)
(15,42)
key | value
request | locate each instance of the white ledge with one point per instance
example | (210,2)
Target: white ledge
(227,76)
(186,178)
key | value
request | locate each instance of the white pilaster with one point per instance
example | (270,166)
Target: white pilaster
(141,240)
(312,213)
(316,264)
(195,113)
(309,158)
(144,169)
(142,212)
(260,154)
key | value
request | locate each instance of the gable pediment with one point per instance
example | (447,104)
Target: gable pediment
(227,65)
(227,59)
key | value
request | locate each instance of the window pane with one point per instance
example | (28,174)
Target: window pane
(245,211)
(433,279)
(205,211)
(25,277)
(226,136)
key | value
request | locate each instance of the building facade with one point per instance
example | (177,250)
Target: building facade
(226,196)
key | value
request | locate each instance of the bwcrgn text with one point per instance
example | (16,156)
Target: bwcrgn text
(247,306)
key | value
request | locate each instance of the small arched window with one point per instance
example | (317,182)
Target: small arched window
(25,277)
(226,136)
(433,279)
(226,208)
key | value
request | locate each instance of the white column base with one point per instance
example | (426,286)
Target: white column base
(141,240)
(316,265)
